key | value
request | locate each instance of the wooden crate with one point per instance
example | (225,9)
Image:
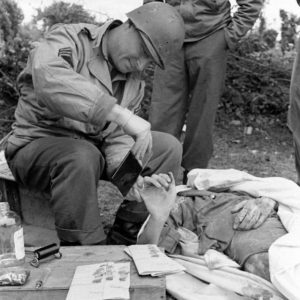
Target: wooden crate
(57,275)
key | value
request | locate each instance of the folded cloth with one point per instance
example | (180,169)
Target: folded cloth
(184,286)
(284,253)
(235,280)
(217,260)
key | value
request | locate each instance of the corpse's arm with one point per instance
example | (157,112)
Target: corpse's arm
(158,194)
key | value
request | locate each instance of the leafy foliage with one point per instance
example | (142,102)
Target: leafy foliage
(269,37)
(289,24)
(12,59)
(10,18)
(62,12)
(257,82)
(11,64)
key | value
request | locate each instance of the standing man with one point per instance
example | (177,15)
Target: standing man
(76,121)
(190,86)
(294,108)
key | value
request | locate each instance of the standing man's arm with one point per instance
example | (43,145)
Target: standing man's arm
(242,21)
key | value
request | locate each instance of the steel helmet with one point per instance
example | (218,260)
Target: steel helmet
(161,28)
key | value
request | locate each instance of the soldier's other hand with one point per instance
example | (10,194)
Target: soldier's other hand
(140,130)
(143,145)
(135,126)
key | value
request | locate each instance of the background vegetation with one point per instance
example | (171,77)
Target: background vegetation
(258,77)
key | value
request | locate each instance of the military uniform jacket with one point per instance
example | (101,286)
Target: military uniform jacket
(204,17)
(66,90)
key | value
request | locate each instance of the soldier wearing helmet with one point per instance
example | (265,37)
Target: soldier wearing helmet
(77,115)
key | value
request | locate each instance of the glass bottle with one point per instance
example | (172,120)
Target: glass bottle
(12,252)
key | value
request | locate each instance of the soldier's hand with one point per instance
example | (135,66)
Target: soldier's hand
(135,126)
(140,130)
(252,213)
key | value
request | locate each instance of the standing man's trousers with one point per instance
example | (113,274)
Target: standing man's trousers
(189,89)
(294,109)
(69,169)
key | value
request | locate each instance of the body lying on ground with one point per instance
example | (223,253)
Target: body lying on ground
(240,226)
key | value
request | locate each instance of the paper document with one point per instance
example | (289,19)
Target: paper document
(150,260)
(101,281)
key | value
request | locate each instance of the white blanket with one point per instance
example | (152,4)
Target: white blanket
(284,253)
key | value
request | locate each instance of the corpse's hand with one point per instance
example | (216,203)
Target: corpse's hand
(250,214)
(159,195)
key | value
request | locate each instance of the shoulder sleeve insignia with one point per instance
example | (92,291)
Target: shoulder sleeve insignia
(66,54)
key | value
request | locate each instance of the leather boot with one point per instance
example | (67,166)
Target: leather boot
(129,219)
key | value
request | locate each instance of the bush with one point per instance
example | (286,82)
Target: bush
(257,81)
(11,63)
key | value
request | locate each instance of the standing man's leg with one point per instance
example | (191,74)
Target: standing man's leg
(297,155)
(70,170)
(169,96)
(294,109)
(167,153)
(206,63)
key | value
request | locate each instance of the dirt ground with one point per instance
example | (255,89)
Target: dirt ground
(263,148)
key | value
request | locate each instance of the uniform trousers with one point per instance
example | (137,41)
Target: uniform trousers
(188,90)
(70,169)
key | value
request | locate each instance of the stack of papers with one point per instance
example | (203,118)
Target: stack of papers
(101,281)
(150,260)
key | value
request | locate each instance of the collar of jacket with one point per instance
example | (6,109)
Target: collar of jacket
(98,64)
